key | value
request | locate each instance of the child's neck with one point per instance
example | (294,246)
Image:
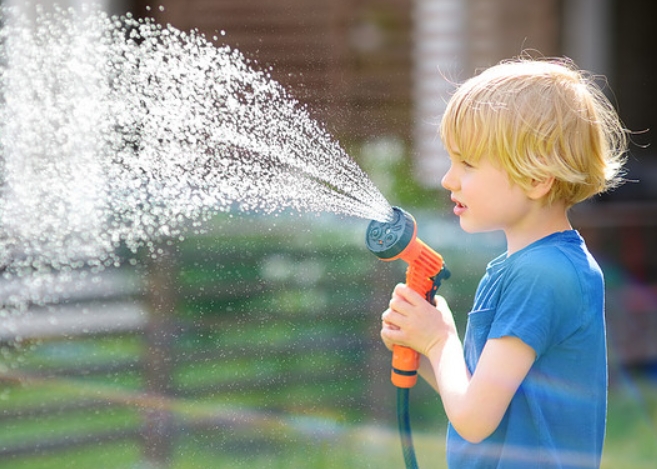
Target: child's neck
(542,222)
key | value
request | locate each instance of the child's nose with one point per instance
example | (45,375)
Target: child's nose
(449,181)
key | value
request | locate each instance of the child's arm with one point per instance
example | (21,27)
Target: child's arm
(426,369)
(474,404)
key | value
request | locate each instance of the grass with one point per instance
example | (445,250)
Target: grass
(306,425)
(305,440)
(632,425)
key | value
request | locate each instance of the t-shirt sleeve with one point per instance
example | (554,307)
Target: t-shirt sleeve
(541,301)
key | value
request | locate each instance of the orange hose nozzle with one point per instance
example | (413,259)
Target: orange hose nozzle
(398,240)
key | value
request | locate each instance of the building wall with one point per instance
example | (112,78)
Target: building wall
(373,69)
(499,29)
(456,38)
(348,60)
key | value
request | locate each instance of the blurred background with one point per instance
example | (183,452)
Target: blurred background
(255,341)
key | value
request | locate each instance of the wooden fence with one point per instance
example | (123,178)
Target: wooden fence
(227,334)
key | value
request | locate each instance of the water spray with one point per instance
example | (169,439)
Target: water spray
(117,132)
(397,239)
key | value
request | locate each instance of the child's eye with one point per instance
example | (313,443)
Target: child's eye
(458,159)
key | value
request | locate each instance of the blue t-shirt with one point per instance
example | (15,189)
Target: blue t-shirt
(551,296)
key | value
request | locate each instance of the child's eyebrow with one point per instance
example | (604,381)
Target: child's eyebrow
(456,154)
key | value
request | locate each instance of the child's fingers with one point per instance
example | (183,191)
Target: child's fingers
(390,334)
(391,319)
(408,294)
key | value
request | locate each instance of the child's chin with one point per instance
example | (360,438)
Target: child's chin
(467,227)
(472,228)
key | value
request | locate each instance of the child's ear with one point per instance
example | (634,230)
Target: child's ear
(540,189)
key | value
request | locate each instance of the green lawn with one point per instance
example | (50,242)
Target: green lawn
(302,441)
(632,425)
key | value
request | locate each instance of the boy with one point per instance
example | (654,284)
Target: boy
(527,140)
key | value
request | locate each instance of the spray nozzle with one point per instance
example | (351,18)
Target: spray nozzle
(387,240)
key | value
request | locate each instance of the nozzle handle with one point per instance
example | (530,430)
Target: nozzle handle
(406,361)
(421,277)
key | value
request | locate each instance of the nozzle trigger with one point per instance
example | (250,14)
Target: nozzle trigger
(444,274)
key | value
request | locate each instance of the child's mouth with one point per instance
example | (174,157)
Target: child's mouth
(459,208)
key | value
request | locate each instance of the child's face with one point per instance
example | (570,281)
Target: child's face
(485,197)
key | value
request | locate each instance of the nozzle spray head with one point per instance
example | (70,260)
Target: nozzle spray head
(387,240)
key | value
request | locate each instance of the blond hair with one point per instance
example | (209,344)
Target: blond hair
(539,119)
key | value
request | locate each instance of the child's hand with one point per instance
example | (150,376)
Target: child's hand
(413,322)
(387,325)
